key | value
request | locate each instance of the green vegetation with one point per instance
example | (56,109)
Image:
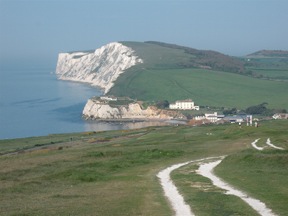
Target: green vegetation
(249,170)
(268,67)
(206,59)
(205,87)
(269,54)
(172,72)
(201,194)
(119,102)
(255,172)
(114,173)
(164,104)
(261,109)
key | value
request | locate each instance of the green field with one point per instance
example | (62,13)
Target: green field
(276,74)
(269,67)
(114,173)
(170,74)
(205,87)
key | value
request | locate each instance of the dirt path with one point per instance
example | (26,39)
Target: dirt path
(268,142)
(206,170)
(170,190)
(255,146)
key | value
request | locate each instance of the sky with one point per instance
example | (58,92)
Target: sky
(34,32)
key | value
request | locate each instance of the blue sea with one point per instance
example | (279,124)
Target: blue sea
(36,103)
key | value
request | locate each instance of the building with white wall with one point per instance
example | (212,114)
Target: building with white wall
(212,117)
(184,105)
(108,98)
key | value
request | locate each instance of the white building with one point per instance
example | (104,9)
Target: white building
(108,98)
(280,116)
(214,117)
(184,105)
(210,117)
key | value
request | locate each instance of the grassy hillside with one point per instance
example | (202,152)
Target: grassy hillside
(205,87)
(268,64)
(269,54)
(114,173)
(173,72)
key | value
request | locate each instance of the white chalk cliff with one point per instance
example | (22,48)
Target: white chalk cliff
(95,109)
(99,68)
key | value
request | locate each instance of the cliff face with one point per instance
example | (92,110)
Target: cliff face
(100,68)
(98,110)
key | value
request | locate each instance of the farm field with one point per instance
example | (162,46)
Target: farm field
(280,74)
(205,87)
(114,172)
(171,72)
(269,67)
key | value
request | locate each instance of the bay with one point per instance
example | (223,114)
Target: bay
(35,103)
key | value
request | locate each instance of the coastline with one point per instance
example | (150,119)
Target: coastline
(130,120)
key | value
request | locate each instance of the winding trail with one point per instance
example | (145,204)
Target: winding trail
(268,142)
(207,171)
(171,192)
(255,146)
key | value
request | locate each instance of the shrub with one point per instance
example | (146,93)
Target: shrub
(162,104)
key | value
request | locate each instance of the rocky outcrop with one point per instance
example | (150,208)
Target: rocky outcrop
(99,68)
(95,109)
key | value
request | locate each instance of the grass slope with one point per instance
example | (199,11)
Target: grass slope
(263,174)
(164,76)
(268,67)
(114,173)
(205,87)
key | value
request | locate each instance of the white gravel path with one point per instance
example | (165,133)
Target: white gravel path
(170,190)
(255,146)
(268,142)
(207,171)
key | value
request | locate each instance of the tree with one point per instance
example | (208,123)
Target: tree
(232,111)
(258,109)
(162,104)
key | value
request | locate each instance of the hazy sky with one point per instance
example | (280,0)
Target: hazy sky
(33,32)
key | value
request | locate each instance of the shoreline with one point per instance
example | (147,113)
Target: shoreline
(130,120)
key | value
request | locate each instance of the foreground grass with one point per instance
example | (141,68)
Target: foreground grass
(262,174)
(114,173)
(206,199)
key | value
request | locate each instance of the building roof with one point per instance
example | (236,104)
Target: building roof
(187,100)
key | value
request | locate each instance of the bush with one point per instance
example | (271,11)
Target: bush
(162,104)
(232,111)
(258,109)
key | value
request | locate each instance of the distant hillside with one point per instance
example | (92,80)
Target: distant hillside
(268,64)
(270,53)
(171,72)
(206,59)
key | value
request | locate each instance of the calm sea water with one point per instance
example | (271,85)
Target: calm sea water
(35,103)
